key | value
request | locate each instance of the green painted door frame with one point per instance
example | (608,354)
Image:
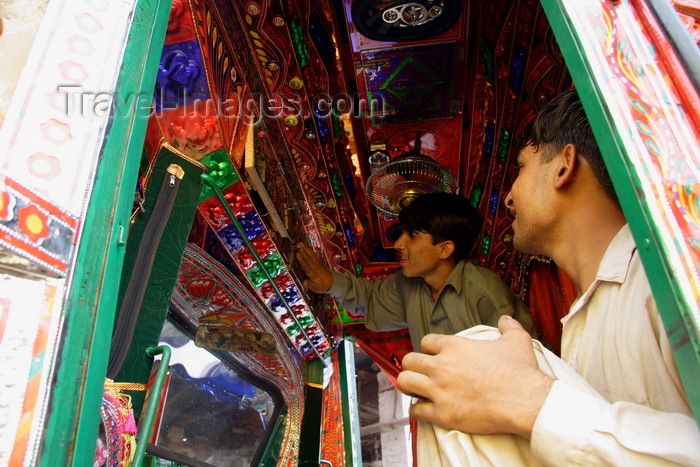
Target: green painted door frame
(674,307)
(350,403)
(73,414)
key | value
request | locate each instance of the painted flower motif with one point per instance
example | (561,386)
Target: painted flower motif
(195,135)
(176,10)
(202,133)
(33,223)
(55,131)
(7,206)
(88,22)
(178,72)
(44,166)
(199,287)
(80,45)
(73,71)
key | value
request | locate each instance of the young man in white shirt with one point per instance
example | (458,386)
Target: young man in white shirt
(564,207)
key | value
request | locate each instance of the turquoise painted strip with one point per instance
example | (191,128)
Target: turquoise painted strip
(37,365)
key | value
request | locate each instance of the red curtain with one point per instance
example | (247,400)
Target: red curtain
(549,295)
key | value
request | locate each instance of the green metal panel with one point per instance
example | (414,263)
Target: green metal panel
(152,410)
(351,411)
(674,307)
(74,408)
(277,438)
(310,438)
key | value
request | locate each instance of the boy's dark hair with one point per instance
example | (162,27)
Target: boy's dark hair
(445,216)
(563,121)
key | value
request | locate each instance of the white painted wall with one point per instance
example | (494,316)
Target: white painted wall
(393,416)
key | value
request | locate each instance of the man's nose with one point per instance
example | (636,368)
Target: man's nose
(399,243)
(508,201)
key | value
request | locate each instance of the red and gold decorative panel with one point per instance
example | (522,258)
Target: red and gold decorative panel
(293,78)
(332,429)
(215,111)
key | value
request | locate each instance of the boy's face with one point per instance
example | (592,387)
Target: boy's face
(417,254)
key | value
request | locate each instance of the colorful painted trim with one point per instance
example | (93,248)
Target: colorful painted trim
(29,321)
(36,230)
(304,331)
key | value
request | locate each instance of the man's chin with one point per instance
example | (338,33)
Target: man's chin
(524,247)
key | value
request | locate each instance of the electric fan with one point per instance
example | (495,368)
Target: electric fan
(394,185)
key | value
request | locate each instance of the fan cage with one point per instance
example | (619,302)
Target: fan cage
(393,186)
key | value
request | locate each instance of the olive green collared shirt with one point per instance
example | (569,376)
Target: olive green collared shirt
(471,295)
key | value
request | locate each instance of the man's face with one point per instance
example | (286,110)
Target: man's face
(528,202)
(417,254)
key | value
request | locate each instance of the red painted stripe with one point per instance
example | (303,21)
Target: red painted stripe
(34,251)
(43,203)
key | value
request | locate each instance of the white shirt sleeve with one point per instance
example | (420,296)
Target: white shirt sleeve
(575,427)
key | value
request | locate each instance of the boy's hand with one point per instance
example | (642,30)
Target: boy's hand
(319,278)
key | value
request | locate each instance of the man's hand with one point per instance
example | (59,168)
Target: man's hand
(318,277)
(477,386)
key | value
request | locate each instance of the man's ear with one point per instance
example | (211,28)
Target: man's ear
(447,248)
(567,165)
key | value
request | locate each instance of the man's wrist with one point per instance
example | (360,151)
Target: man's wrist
(522,420)
(336,281)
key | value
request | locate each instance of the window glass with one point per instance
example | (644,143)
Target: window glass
(210,413)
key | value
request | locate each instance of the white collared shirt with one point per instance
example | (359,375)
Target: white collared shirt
(613,337)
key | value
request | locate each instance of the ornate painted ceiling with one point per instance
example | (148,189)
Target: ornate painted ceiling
(285,101)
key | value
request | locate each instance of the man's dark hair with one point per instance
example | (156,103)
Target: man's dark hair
(445,216)
(563,121)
